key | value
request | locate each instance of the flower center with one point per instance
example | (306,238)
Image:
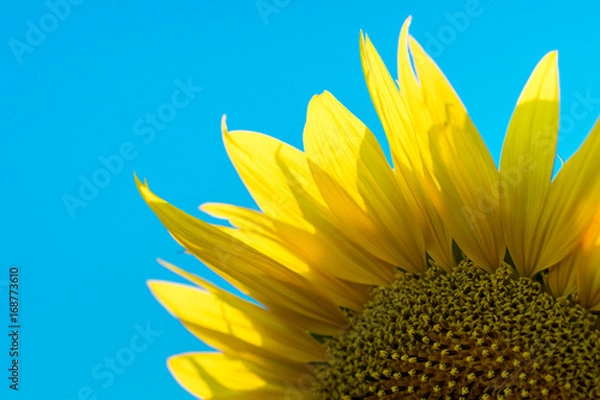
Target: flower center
(464,335)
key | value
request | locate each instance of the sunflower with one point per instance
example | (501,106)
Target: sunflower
(442,277)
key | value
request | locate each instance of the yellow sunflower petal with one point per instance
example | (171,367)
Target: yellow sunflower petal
(390,109)
(229,323)
(272,284)
(323,248)
(276,174)
(299,261)
(421,121)
(357,182)
(527,162)
(463,167)
(414,180)
(571,204)
(412,99)
(287,322)
(280,180)
(218,376)
(562,277)
(588,265)
(302,252)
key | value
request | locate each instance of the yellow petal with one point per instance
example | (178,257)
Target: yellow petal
(276,174)
(359,186)
(463,167)
(527,162)
(390,109)
(412,99)
(279,178)
(288,321)
(562,277)
(301,251)
(324,248)
(272,284)
(568,222)
(282,252)
(571,204)
(400,126)
(588,265)
(439,238)
(218,376)
(231,324)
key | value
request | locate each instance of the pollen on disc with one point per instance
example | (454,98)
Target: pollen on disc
(465,335)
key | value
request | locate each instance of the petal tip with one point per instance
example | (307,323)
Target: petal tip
(152,285)
(224,125)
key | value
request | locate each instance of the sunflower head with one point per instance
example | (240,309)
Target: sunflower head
(441,276)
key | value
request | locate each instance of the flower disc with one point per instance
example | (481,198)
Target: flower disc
(466,334)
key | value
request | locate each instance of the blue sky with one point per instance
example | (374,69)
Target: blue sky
(108,88)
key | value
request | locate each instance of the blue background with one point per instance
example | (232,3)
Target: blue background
(84,91)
